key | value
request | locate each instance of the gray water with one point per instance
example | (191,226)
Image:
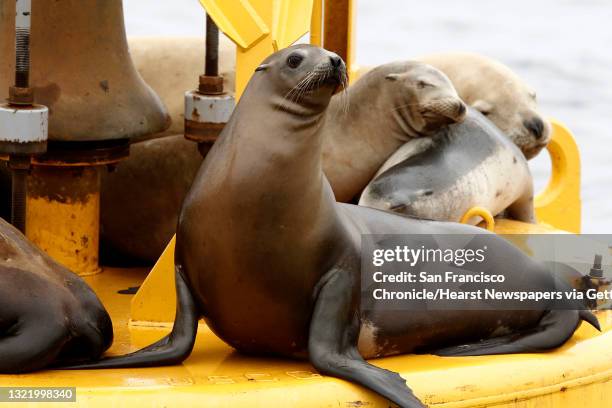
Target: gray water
(562,48)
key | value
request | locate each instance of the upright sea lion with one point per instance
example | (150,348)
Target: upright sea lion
(272,262)
(498,93)
(389,105)
(464,165)
(48,315)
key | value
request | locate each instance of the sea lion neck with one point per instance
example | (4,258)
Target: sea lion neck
(267,152)
(286,127)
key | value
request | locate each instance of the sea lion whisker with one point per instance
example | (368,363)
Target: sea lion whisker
(407,105)
(293,94)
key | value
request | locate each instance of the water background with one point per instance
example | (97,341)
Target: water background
(562,48)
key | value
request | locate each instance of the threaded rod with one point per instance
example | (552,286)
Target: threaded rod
(211,67)
(22,43)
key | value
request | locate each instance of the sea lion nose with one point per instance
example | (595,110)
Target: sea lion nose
(335,60)
(461,110)
(535,126)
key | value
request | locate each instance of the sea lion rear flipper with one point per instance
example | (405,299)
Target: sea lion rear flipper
(33,346)
(332,341)
(170,350)
(554,329)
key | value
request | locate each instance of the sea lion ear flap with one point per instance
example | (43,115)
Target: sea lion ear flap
(262,67)
(392,77)
(482,106)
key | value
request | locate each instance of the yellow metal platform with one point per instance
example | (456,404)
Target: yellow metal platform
(577,375)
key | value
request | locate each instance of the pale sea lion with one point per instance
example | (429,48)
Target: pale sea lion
(48,315)
(498,93)
(464,165)
(272,262)
(388,106)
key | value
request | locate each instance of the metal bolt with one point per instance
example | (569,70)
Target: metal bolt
(596,270)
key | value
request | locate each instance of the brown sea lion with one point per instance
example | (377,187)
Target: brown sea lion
(272,262)
(48,315)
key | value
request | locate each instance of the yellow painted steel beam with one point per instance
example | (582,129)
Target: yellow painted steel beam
(155,301)
(238,20)
(291,20)
(316,23)
(258,28)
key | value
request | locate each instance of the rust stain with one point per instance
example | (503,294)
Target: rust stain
(47,95)
(356,404)
(104,85)
(195,114)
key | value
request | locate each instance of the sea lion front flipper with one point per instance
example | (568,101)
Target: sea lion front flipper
(332,341)
(554,329)
(170,350)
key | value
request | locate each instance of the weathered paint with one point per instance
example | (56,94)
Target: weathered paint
(24,125)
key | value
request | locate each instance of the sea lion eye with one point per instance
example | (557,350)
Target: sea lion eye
(294,60)
(423,84)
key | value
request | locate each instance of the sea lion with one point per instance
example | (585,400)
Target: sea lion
(48,315)
(272,262)
(464,165)
(389,105)
(498,93)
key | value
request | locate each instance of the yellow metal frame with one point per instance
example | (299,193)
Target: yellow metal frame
(258,28)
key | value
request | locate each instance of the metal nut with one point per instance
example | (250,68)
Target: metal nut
(211,85)
(20,96)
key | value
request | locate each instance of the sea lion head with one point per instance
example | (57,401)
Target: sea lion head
(427,97)
(512,106)
(499,94)
(303,78)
